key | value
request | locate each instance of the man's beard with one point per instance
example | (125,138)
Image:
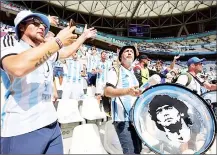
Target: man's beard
(199,71)
(129,61)
(175,127)
(158,70)
(38,40)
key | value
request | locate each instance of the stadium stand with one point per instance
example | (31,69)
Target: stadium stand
(86,128)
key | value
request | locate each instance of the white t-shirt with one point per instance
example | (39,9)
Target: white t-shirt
(193,85)
(127,79)
(29,106)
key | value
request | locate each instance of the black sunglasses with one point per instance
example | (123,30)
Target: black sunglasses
(35,21)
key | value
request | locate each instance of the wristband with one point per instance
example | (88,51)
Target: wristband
(59,42)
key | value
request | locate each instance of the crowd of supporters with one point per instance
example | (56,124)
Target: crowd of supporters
(75,71)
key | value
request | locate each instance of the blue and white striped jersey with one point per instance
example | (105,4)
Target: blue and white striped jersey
(105,67)
(28,104)
(127,79)
(74,70)
(92,62)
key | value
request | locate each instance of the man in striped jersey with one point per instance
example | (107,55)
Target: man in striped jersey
(102,69)
(122,87)
(91,66)
(72,88)
(28,118)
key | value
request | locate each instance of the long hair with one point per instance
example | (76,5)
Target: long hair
(161,100)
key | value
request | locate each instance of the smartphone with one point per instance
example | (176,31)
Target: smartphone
(71,23)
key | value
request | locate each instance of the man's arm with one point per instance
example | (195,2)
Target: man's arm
(173,62)
(152,72)
(19,65)
(69,50)
(115,92)
(210,86)
(137,51)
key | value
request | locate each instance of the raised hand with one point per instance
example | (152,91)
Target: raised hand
(89,33)
(54,21)
(177,57)
(66,35)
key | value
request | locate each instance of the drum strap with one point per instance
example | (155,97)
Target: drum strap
(201,83)
(124,108)
(117,70)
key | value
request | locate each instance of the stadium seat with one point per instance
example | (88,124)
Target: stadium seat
(91,91)
(86,140)
(111,142)
(84,81)
(68,112)
(90,109)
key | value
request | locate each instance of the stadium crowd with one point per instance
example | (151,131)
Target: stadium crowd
(34,61)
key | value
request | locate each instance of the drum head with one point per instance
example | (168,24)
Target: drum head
(171,119)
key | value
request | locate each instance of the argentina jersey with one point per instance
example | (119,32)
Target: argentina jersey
(105,67)
(8,41)
(92,62)
(27,98)
(74,70)
(126,80)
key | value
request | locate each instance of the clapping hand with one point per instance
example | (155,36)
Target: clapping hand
(134,91)
(89,33)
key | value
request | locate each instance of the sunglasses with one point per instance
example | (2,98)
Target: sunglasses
(199,63)
(35,22)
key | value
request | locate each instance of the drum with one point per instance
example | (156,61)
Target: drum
(171,119)
(210,98)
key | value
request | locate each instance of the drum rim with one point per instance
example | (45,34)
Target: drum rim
(209,92)
(181,86)
(203,95)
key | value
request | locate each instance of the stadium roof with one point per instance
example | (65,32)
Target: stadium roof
(133,9)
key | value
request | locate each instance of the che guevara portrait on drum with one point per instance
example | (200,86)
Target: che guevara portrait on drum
(171,117)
